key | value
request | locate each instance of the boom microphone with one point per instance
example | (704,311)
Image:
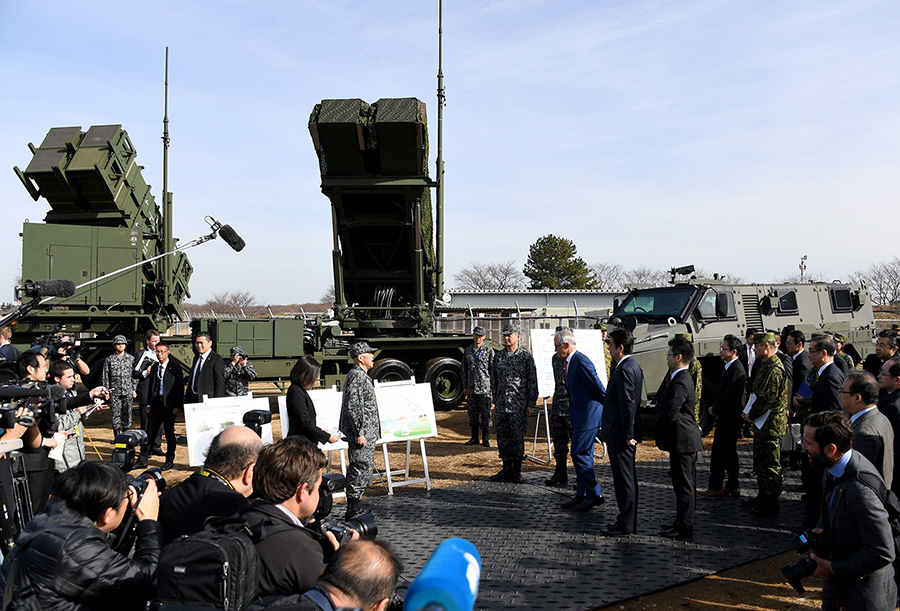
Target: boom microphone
(448,581)
(54,392)
(49,288)
(232,238)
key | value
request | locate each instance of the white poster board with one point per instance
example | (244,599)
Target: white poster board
(203,421)
(589,343)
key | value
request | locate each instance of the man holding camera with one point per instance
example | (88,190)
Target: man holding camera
(62,559)
(239,372)
(286,478)
(858,549)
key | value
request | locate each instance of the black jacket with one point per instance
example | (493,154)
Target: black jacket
(302,416)
(676,428)
(731,393)
(210,379)
(290,559)
(802,367)
(71,566)
(826,394)
(173,385)
(889,405)
(184,508)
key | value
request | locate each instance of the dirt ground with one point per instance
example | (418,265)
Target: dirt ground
(756,585)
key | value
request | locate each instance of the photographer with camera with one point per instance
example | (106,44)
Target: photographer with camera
(220,488)
(63,559)
(65,350)
(857,547)
(239,372)
(286,478)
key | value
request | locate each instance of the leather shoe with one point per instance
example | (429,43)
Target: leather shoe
(614,530)
(157,452)
(667,526)
(557,480)
(733,492)
(473,441)
(711,494)
(572,503)
(485,444)
(166,466)
(588,504)
(678,534)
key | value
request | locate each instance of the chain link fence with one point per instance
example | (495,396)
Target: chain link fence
(493,325)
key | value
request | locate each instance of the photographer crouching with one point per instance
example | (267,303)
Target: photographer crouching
(63,558)
(853,545)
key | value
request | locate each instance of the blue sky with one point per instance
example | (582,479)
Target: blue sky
(737,136)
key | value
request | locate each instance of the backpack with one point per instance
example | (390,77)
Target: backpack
(216,568)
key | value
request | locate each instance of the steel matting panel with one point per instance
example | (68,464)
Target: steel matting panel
(536,554)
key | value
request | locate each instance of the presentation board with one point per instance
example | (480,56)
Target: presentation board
(590,343)
(203,421)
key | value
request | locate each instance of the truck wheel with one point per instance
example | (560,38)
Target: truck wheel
(391,370)
(445,376)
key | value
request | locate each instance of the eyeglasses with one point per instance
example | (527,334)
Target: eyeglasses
(847,392)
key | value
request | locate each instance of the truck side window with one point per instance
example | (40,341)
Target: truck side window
(840,299)
(787,301)
(707,306)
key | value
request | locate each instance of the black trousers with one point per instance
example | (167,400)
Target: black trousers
(624,474)
(724,458)
(161,417)
(145,426)
(684,483)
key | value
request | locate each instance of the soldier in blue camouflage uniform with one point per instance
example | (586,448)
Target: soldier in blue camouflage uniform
(514,389)
(116,377)
(239,372)
(478,360)
(770,388)
(560,421)
(360,423)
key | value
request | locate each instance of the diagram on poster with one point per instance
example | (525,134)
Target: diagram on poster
(590,343)
(203,421)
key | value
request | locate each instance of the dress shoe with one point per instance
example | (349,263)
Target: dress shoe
(615,530)
(557,480)
(166,466)
(572,503)
(485,444)
(157,452)
(678,534)
(588,504)
(711,494)
(667,526)
(141,462)
(473,441)
(733,492)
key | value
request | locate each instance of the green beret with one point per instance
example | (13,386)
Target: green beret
(688,336)
(760,338)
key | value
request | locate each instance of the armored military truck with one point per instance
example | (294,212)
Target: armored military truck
(709,309)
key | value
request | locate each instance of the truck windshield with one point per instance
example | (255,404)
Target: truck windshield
(664,302)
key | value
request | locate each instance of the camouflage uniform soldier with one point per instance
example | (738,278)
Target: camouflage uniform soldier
(238,373)
(116,377)
(478,361)
(840,339)
(607,357)
(360,423)
(771,391)
(560,421)
(514,389)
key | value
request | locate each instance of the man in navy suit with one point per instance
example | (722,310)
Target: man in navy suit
(621,423)
(207,372)
(166,402)
(586,396)
(678,434)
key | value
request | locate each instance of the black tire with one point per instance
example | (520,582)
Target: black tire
(445,376)
(391,370)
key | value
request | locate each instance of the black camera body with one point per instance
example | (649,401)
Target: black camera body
(256,418)
(805,542)
(364,523)
(124,448)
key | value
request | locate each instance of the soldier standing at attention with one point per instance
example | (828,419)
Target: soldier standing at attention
(360,423)
(478,360)
(770,396)
(239,372)
(840,341)
(116,377)
(607,357)
(560,421)
(514,389)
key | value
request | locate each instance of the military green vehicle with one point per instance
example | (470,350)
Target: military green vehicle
(709,309)
(373,163)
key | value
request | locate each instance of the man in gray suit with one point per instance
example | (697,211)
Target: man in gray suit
(873,435)
(858,572)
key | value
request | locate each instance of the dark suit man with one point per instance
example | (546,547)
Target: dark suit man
(166,402)
(731,396)
(873,436)
(858,572)
(207,377)
(621,424)
(747,356)
(889,405)
(826,396)
(586,397)
(143,361)
(677,433)
(796,348)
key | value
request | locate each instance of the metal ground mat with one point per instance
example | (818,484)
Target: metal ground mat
(537,555)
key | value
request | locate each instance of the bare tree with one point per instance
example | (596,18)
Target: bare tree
(646,275)
(609,276)
(328,295)
(883,281)
(490,277)
(815,276)
(231,302)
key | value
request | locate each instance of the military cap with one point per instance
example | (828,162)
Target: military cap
(510,328)
(602,326)
(895,327)
(818,335)
(478,330)
(760,338)
(360,348)
(237,350)
(688,336)
(119,339)
(840,337)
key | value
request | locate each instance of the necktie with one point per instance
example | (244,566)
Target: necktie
(161,372)
(196,371)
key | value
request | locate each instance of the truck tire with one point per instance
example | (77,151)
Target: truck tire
(391,370)
(445,376)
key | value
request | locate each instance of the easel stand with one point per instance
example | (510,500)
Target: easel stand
(542,412)
(341,448)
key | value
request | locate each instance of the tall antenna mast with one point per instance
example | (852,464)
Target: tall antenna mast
(168,240)
(439,205)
